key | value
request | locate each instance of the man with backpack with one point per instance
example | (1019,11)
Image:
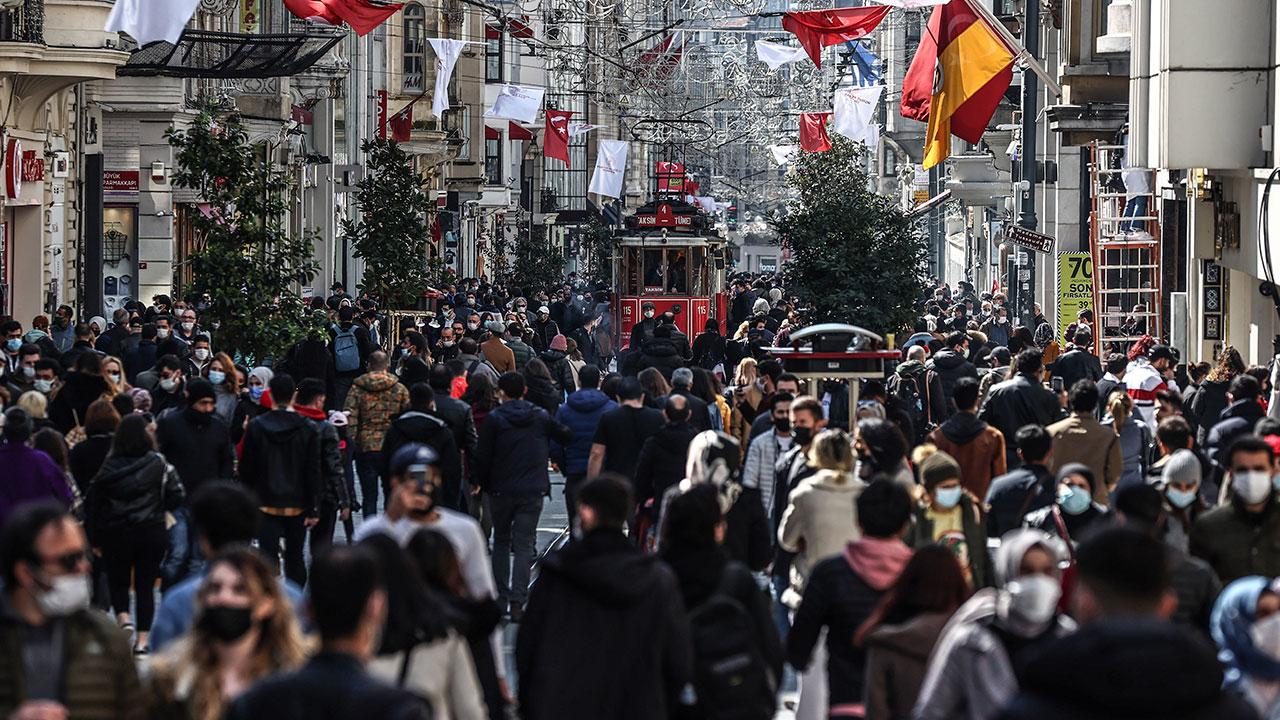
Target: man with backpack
(473,362)
(375,399)
(351,346)
(919,389)
(952,363)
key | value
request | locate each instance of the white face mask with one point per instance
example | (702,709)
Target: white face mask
(115,377)
(648,314)
(188,326)
(68,594)
(44,386)
(1265,634)
(162,333)
(1252,486)
(28,371)
(168,384)
(1034,598)
(202,354)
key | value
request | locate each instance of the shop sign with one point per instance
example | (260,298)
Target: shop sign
(32,167)
(120,182)
(1075,288)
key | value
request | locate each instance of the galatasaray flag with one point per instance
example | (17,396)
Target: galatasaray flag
(816,29)
(956,82)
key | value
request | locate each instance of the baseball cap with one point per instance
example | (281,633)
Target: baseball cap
(410,455)
(544,310)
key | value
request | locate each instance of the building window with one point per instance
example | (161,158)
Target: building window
(493,174)
(463,118)
(415,26)
(492,53)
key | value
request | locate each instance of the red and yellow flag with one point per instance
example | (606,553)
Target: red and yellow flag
(957,78)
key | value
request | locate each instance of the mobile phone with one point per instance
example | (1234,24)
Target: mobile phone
(420,477)
(1056,384)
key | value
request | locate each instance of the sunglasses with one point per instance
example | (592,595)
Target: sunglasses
(70,561)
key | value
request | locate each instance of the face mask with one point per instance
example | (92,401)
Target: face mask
(168,384)
(13,344)
(473,326)
(447,343)
(1034,598)
(68,594)
(802,435)
(226,624)
(948,497)
(202,354)
(404,352)
(256,391)
(648,314)
(217,377)
(28,372)
(162,333)
(44,386)
(1265,635)
(471,302)
(1074,501)
(1180,498)
(188,326)
(782,424)
(1252,486)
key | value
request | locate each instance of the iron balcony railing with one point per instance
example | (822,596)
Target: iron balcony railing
(23,23)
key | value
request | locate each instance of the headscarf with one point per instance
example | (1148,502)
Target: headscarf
(714,458)
(141,400)
(1230,625)
(1079,469)
(1043,335)
(1014,546)
(262,373)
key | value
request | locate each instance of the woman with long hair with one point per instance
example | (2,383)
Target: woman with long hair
(881,448)
(52,443)
(221,373)
(904,627)
(436,561)
(244,631)
(420,651)
(540,389)
(86,458)
(125,507)
(705,388)
(655,387)
(1211,399)
(482,396)
(1135,437)
(113,373)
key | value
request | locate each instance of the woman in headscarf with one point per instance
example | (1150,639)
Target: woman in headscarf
(715,459)
(255,400)
(1073,511)
(1245,624)
(970,675)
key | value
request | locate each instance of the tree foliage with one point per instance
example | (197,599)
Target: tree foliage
(392,234)
(248,264)
(597,245)
(855,256)
(530,261)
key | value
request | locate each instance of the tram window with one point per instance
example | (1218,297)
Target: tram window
(632,263)
(678,271)
(698,274)
(654,271)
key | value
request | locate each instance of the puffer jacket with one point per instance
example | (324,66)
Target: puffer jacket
(950,366)
(581,413)
(662,460)
(543,393)
(660,353)
(561,374)
(515,445)
(132,492)
(375,399)
(282,461)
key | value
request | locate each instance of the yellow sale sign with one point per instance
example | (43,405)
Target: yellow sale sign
(1075,288)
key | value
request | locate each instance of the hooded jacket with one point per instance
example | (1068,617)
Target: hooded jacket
(375,399)
(660,353)
(281,461)
(950,366)
(662,460)
(822,513)
(580,413)
(561,374)
(70,403)
(604,634)
(897,656)
(424,427)
(515,445)
(843,591)
(976,446)
(199,446)
(131,493)
(1236,419)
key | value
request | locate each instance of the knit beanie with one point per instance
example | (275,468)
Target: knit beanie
(1182,467)
(937,468)
(199,389)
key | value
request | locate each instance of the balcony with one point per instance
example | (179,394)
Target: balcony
(23,24)
(207,54)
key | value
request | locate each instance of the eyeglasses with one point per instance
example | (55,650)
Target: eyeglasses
(69,562)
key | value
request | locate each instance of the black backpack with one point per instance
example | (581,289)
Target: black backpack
(731,678)
(913,392)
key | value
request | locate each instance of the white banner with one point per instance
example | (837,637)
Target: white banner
(611,168)
(782,154)
(855,110)
(775,55)
(581,128)
(447,52)
(517,102)
(150,20)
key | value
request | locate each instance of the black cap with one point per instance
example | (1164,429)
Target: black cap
(1164,352)
(410,455)
(337,285)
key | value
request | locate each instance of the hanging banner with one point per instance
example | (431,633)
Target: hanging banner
(1075,288)
(517,102)
(611,166)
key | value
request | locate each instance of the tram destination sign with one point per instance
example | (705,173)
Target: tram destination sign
(665,217)
(1023,237)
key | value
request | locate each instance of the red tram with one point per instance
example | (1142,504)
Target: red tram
(669,253)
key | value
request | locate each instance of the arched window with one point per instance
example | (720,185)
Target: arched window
(415,29)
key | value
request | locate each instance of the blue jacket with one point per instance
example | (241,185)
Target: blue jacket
(581,413)
(515,444)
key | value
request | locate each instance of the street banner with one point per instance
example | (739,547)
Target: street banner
(854,114)
(517,102)
(1075,288)
(813,132)
(150,20)
(816,29)
(447,52)
(775,55)
(611,166)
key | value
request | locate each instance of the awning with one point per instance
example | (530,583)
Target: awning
(205,54)
(929,204)
(492,133)
(518,132)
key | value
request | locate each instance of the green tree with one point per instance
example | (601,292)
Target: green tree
(392,234)
(535,262)
(855,256)
(248,264)
(597,242)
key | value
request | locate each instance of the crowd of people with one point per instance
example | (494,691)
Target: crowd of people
(1005,526)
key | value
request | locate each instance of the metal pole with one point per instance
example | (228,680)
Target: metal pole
(1027,214)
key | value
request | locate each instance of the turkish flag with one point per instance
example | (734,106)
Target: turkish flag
(813,132)
(362,15)
(402,124)
(817,29)
(555,142)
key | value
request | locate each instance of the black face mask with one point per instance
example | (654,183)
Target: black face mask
(783,424)
(802,435)
(226,624)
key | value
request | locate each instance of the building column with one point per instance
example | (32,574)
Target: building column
(155,212)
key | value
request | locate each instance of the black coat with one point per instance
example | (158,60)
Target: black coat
(708,349)
(139,359)
(86,458)
(432,431)
(72,355)
(515,445)
(740,309)
(1207,406)
(1014,403)
(699,417)
(333,491)
(662,460)
(1236,419)
(460,420)
(561,373)
(747,538)
(543,393)
(131,493)
(1075,365)
(72,400)
(331,686)
(604,635)
(1105,388)
(198,445)
(281,461)
(1015,494)
(310,359)
(950,367)
(660,353)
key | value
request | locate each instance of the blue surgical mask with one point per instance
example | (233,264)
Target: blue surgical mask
(255,392)
(217,377)
(1180,498)
(1075,501)
(44,386)
(13,344)
(947,497)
